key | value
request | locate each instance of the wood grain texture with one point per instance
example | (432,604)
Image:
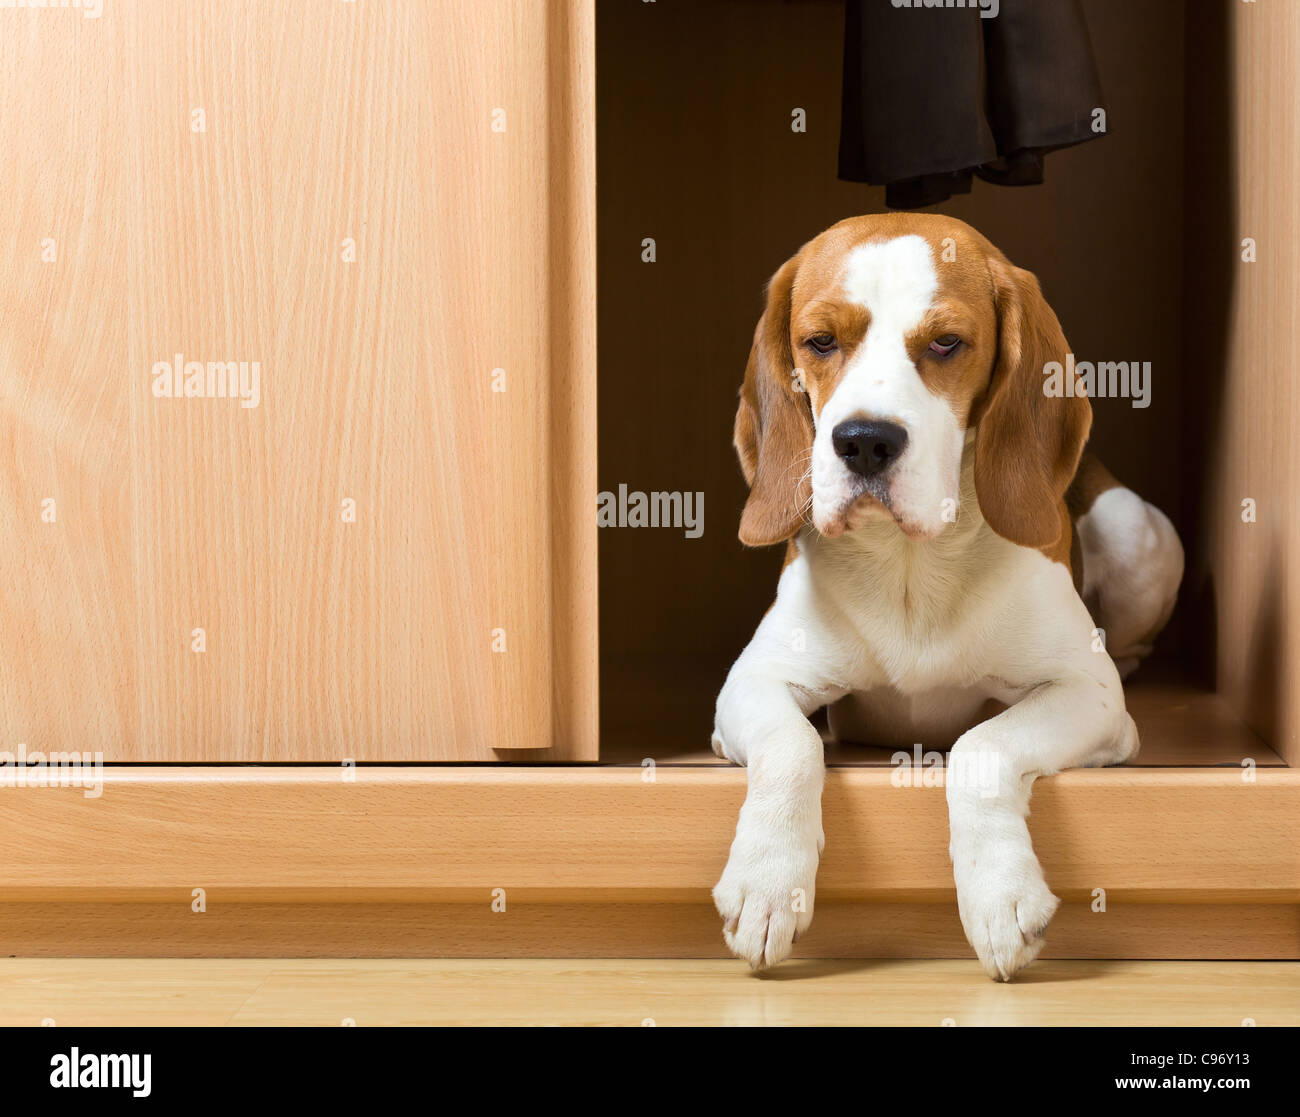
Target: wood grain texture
(474,251)
(577,929)
(447,833)
(371,993)
(1255,567)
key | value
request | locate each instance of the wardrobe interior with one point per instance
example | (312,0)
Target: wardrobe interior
(1136,239)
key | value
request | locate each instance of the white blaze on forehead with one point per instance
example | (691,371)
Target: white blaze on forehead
(894,279)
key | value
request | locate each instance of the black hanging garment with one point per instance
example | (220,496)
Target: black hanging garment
(933,95)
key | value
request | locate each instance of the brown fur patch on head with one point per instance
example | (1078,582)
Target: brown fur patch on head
(963,305)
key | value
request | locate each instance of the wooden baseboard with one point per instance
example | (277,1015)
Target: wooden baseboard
(596,861)
(455,833)
(619,930)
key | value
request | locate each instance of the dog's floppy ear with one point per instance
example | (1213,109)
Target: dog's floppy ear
(1027,443)
(774,430)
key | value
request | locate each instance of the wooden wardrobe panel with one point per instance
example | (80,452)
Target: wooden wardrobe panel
(320,189)
(1254,388)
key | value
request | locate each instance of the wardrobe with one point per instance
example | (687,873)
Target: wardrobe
(357,661)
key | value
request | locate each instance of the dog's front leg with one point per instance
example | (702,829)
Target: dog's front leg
(766,892)
(765,896)
(1075,721)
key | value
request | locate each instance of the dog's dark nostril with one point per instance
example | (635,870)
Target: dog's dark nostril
(868,447)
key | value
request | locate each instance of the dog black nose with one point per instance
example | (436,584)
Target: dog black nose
(867,448)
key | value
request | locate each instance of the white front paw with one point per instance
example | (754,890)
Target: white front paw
(765,896)
(1004,901)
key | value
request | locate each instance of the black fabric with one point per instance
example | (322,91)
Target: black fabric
(934,95)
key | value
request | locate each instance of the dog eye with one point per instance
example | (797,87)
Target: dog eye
(945,345)
(822,343)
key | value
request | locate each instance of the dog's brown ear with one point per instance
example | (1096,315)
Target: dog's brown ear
(774,430)
(1027,442)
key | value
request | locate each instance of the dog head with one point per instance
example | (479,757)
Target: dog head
(886,343)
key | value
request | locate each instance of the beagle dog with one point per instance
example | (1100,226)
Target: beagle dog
(951,551)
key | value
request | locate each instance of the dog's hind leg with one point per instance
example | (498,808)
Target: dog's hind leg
(1132,562)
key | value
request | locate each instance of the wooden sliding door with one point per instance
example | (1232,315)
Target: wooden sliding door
(297,373)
